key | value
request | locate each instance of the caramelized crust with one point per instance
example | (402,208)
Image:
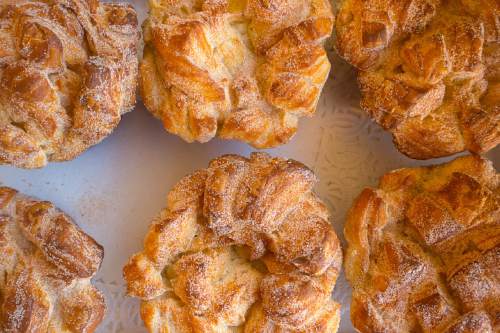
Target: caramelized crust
(244,245)
(245,70)
(424,250)
(45,268)
(429,70)
(68,71)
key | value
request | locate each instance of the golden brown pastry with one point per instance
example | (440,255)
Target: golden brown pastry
(46,264)
(68,71)
(244,245)
(424,250)
(245,70)
(429,70)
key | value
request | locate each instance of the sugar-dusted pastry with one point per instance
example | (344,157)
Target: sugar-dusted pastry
(424,250)
(244,245)
(245,70)
(429,70)
(46,263)
(68,71)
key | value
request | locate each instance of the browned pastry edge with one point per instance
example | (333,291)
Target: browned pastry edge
(423,250)
(244,244)
(68,71)
(244,70)
(46,266)
(429,71)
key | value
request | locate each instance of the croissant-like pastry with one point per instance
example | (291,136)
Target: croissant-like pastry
(429,70)
(245,70)
(423,250)
(68,71)
(242,245)
(45,269)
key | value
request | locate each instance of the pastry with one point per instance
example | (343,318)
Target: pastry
(424,250)
(244,245)
(429,71)
(68,71)
(245,70)
(46,265)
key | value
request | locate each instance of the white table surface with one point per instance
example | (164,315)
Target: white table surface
(114,189)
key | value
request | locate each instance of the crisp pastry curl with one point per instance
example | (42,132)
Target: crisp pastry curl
(429,70)
(68,71)
(244,245)
(245,70)
(46,265)
(424,250)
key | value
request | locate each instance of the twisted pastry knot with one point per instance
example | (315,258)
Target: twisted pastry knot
(429,70)
(243,70)
(244,244)
(68,70)
(46,266)
(424,250)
